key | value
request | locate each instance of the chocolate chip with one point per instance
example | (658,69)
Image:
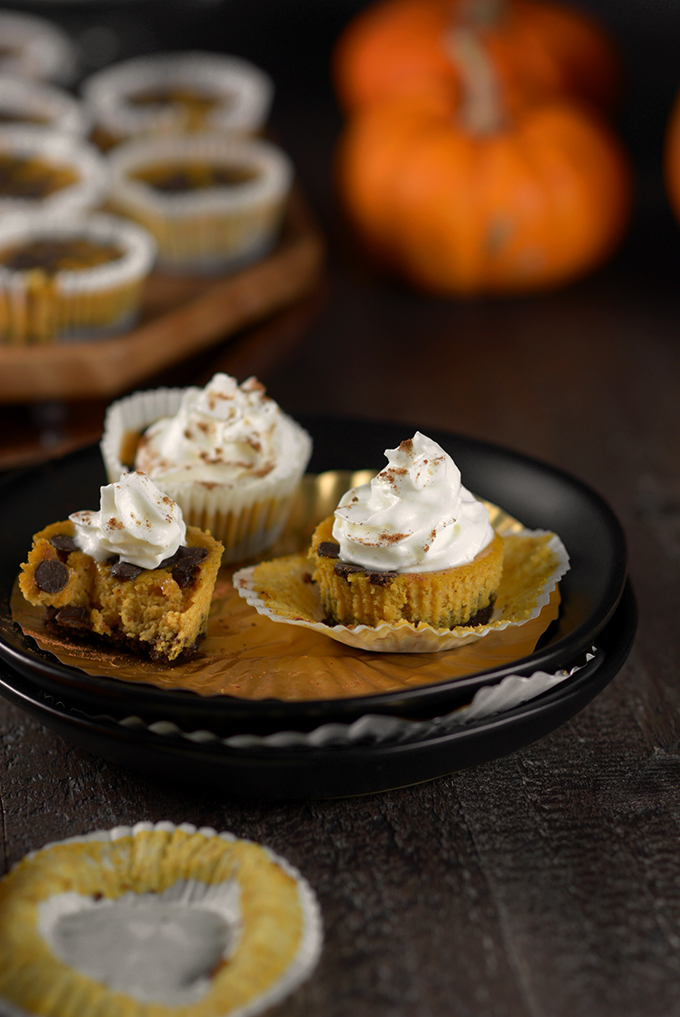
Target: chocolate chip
(125,570)
(51,576)
(344,570)
(381,578)
(61,542)
(185,564)
(482,616)
(182,553)
(328,549)
(74,617)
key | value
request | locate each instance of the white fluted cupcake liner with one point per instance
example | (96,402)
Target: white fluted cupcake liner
(34,47)
(243,94)
(205,230)
(60,151)
(247,516)
(37,103)
(84,304)
(235,928)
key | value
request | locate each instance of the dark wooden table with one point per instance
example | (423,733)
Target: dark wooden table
(546,883)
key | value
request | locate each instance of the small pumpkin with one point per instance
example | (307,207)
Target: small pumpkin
(537,46)
(672,157)
(474,198)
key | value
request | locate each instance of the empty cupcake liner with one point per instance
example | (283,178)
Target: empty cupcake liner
(150,918)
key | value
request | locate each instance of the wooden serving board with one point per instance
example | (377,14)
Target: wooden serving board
(181,315)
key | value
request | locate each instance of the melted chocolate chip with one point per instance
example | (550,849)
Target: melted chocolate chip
(184,564)
(125,570)
(73,617)
(344,570)
(483,615)
(328,549)
(51,576)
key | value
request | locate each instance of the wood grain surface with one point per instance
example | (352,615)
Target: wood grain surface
(545,883)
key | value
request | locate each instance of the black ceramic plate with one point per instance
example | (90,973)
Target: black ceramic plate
(332,772)
(538,495)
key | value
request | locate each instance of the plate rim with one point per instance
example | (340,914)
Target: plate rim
(276,772)
(35,663)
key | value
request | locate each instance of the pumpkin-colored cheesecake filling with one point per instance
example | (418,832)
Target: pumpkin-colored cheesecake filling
(28,177)
(55,255)
(131,573)
(192,105)
(177,177)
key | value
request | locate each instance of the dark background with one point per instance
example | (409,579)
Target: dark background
(544,883)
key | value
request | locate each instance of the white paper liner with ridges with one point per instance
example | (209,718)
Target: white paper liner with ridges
(25,98)
(373,729)
(41,49)
(63,150)
(196,893)
(404,637)
(246,90)
(210,228)
(246,517)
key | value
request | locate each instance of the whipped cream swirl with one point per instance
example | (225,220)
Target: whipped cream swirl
(136,521)
(225,433)
(414,516)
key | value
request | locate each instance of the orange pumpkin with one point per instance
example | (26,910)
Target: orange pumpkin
(470,201)
(399,46)
(672,157)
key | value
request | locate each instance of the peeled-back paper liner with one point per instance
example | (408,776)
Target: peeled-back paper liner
(237,928)
(243,92)
(534,562)
(374,729)
(247,519)
(247,656)
(61,150)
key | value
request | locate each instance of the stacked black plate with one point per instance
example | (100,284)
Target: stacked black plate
(330,748)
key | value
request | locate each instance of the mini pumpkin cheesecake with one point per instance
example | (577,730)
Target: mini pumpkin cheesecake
(212,203)
(63,280)
(89,588)
(35,49)
(177,93)
(226,453)
(411,545)
(444,599)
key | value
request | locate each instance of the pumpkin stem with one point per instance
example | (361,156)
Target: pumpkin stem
(481,109)
(481,13)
